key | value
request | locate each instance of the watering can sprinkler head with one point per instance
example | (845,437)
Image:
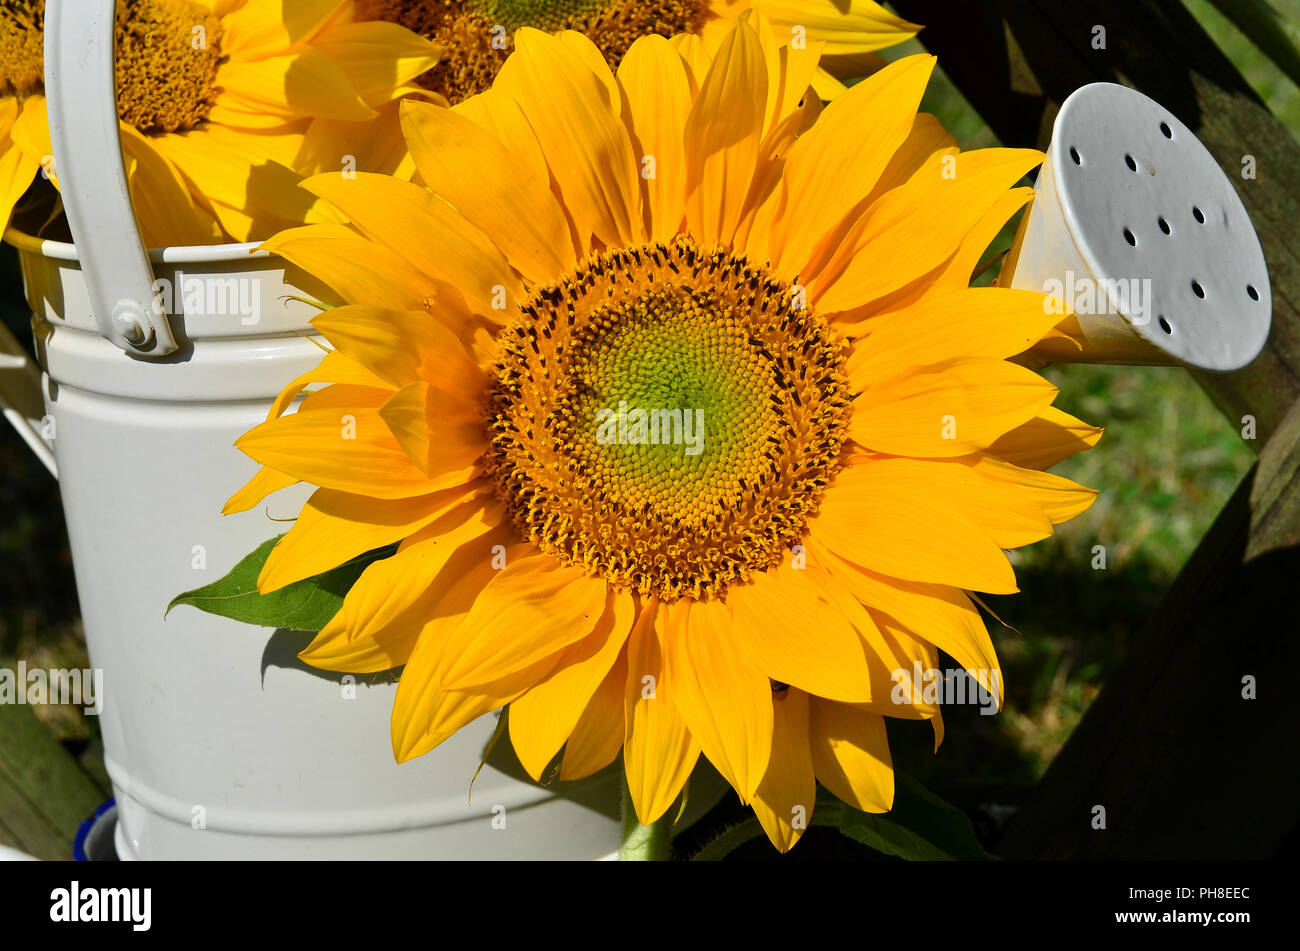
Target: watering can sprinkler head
(1139,239)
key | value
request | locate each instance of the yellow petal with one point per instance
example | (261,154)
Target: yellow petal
(659,752)
(334,527)
(424,716)
(725,700)
(339,146)
(306,82)
(533,608)
(989,322)
(912,229)
(390,592)
(1060,498)
(164,207)
(31,132)
(440,432)
(17,169)
(837,162)
(544,717)
(941,614)
(846,26)
(351,451)
(959,271)
(402,347)
(1045,440)
(793,636)
(920,541)
(254,29)
(598,735)
(850,755)
(427,232)
(948,411)
(584,139)
(440,606)
(785,798)
(251,196)
(362,271)
(511,203)
(1007,514)
(334,367)
(259,487)
(659,97)
(722,135)
(377,57)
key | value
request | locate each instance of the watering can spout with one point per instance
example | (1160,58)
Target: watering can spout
(1139,240)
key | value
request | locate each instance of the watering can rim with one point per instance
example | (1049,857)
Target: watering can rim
(172,254)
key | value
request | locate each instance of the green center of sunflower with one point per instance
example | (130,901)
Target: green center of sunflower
(165,65)
(474,34)
(666,417)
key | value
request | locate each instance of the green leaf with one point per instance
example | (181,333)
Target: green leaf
(306,605)
(920,827)
(1267,29)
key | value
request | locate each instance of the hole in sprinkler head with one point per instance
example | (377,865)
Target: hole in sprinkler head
(1164,325)
(1198,290)
(1167,132)
(1128,236)
(1250,290)
(1074,155)
(1164,225)
(1198,215)
(1131,163)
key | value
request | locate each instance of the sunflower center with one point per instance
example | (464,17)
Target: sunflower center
(667,417)
(22,63)
(168,52)
(165,64)
(473,34)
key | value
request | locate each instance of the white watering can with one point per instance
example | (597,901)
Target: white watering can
(219,742)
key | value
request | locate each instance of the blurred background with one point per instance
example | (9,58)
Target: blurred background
(1166,464)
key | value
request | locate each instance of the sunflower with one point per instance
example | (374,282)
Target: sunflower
(474,39)
(214,98)
(844,449)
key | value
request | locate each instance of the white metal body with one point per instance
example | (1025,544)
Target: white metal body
(1137,227)
(219,742)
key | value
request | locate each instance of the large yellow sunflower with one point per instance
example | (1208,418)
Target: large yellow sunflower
(474,38)
(851,449)
(214,98)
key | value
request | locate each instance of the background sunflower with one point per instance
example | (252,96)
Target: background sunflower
(214,98)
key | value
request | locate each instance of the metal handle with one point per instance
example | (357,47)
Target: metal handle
(82,101)
(20,398)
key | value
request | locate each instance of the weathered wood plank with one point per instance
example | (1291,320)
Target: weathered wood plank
(1184,764)
(1017,60)
(44,793)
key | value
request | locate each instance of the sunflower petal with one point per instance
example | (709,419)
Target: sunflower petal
(659,752)
(948,411)
(533,608)
(789,633)
(544,717)
(725,700)
(722,134)
(850,755)
(786,796)
(598,735)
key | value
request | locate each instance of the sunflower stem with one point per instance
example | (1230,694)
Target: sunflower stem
(643,843)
